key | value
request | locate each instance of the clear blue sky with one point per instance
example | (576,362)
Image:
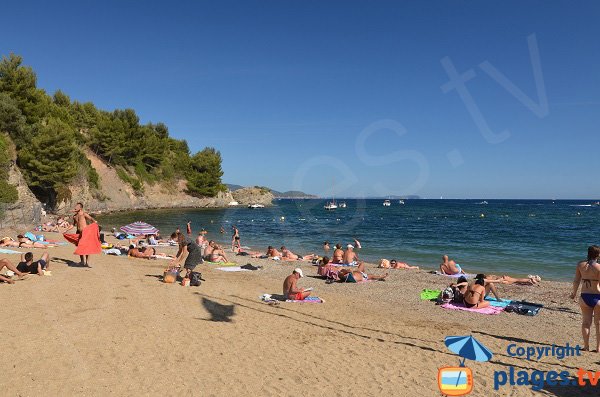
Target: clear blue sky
(284,89)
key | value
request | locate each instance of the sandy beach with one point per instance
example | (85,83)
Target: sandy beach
(116,329)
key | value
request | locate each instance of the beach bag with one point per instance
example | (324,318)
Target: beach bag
(195,279)
(446,296)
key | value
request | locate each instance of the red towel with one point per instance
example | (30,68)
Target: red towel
(88,242)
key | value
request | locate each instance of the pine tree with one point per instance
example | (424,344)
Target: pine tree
(205,177)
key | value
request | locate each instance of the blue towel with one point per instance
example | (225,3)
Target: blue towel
(5,251)
(496,303)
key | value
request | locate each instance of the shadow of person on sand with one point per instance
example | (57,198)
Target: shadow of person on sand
(70,263)
(572,389)
(218,312)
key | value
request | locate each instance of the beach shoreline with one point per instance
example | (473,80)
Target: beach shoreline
(96,324)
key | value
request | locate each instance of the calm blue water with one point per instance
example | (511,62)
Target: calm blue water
(512,236)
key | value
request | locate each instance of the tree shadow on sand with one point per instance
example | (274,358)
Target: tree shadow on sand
(218,312)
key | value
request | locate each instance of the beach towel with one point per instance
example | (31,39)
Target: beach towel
(495,302)
(486,310)
(232,269)
(88,243)
(466,275)
(221,264)
(430,294)
(525,308)
(309,299)
(5,251)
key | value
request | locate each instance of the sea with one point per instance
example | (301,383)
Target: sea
(516,237)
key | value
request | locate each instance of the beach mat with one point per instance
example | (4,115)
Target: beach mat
(486,310)
(465,275)
(232,269)
(496,303)
(310,299)
(6,251)
(222,264)
(525,308)
(430,294)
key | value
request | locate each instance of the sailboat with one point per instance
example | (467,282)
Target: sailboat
(331,205)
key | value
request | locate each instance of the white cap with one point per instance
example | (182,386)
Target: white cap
(349,246)
(299,271)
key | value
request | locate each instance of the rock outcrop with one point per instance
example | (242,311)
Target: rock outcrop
(253,195)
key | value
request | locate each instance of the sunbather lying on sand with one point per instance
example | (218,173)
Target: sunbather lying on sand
(450,267)
(8,242)
(272,252)
(288,255)
(28,265)
(6,263)
(360,274)
(143,252)
(24,242)
(393,264)
(531,280)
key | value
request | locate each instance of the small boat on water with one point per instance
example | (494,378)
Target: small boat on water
(387,203)
(233,203)
(597,204)
(255,206)
(483,202)
(342,204)
(401,202)
(330,206)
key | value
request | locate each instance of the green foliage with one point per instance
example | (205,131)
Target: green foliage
(8,193)
(204,179)
(50,133)
(263,189)
(50,160)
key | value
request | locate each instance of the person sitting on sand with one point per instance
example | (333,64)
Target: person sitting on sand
(273,253)
(5,263)
(350,257)
(394,264)
(476,293)
(288,255)
(208,250)
(359,274)
(338,254)
(27,265)
(24,242)
(218,255)
(450,267)
(588,273)
(8,242)
(327,269)
(290,287)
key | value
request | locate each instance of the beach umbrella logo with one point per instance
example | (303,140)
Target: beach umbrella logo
(137,228)
(458,381)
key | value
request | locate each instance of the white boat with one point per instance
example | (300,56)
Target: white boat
(255,206)
(483,202)
(342,204)
(233,203)
(401,202)
(387,203)
(330,206)
(597,203)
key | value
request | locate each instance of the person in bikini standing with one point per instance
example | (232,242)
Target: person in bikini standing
(588,275)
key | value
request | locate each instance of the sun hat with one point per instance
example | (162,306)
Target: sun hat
(299,271)
(349,246)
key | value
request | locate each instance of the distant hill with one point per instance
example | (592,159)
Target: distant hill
(292,194)
(232,187)
(276,194)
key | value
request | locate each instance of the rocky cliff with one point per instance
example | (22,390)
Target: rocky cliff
(253,195)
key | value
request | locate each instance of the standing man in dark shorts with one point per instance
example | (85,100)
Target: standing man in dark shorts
(189,254)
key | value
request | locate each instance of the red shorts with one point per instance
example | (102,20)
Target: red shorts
(296,297)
